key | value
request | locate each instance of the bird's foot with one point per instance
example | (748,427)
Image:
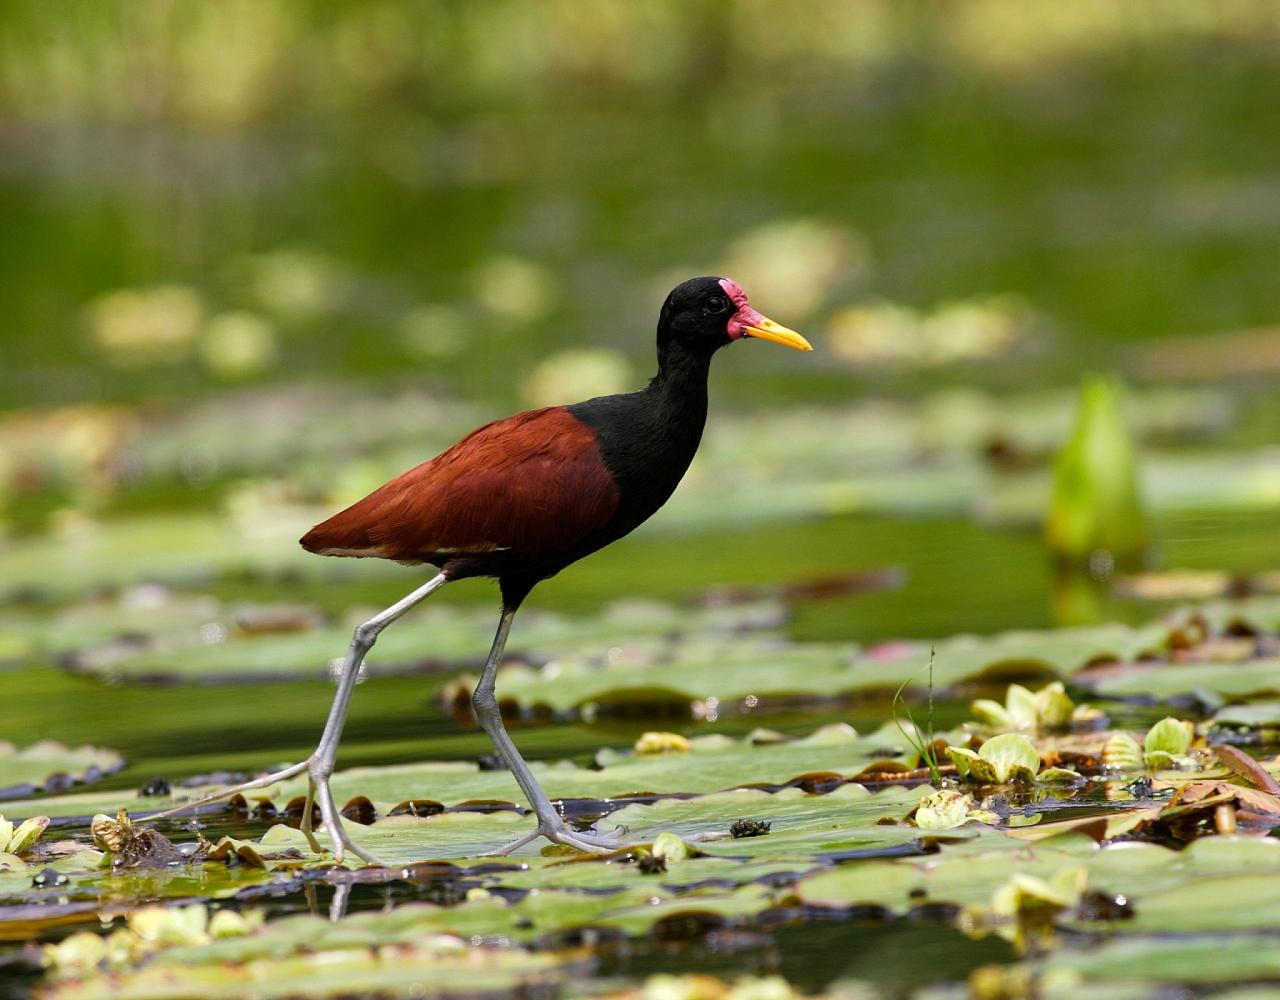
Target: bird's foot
(559,833)
(318,791)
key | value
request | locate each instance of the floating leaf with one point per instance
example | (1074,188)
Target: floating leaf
(1001,759)
(49,763)
(1058,776)
(1123,753)
(1011,756)
(670,848)
(1054,706)
(1050,707)
(661,743)
(742,669)
(200,640)
(993,714)
(20,839)
(1138,967)
(391,955)
(1253,678)
(710,765)
(945,809)
(1026,896)
(1167,743)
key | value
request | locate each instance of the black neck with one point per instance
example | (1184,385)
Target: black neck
(648,438)
(680,387)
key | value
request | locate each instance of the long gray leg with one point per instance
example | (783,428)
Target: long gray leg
(321,763)
(485,702)
(319,766)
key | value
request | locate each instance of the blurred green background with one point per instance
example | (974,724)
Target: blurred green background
(261,256)
(198,195)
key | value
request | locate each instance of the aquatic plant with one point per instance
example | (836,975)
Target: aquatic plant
(1096,518)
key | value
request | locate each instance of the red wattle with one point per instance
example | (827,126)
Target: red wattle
(745,316)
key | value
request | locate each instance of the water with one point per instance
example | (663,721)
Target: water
(449,221)
(957,578)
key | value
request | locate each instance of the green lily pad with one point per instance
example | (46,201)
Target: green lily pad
(219,648)
(712,764)
(804,827)
(737,672)
(1241,902)
(1209,958)
(356,970)
(1257,614)
(48,762)
(176,548)
(1253,715)
(1162,680)
(805,831)
(967,872)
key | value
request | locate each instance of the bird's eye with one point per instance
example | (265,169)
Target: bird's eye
(716,305)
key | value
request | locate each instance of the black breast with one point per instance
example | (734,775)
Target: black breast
(647,441)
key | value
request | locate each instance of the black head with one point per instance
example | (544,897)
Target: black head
(704,314)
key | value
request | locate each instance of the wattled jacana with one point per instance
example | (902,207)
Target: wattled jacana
(522,498)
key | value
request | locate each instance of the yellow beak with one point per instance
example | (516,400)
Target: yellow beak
(767,329)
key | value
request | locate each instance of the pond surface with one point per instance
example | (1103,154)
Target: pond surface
(234,309)
(955,578)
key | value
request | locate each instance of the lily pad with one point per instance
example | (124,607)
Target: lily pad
(805,829)
(197,639)
(448,964)
(50,765)
(966,873)
(1207,958)
(738,672)
(1252,678)
(1253,715)
(826,757)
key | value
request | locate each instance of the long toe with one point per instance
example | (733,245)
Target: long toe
(264,781)
(593,843)
(344,845)
(367,857)
(589,843)
(342,842)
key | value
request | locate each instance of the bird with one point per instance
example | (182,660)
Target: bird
(519,500)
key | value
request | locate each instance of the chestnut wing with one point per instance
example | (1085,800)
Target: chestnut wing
(532,483)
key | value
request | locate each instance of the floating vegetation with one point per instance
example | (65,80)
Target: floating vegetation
(726,832)
(1096,518)
(1049,708)
(1153,659)
(953,332)
(712,763)
(50,766)
(459,227)
(1009,757)
(15,841)
(662,743)
(129,846)
(146,325)
(948,808)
